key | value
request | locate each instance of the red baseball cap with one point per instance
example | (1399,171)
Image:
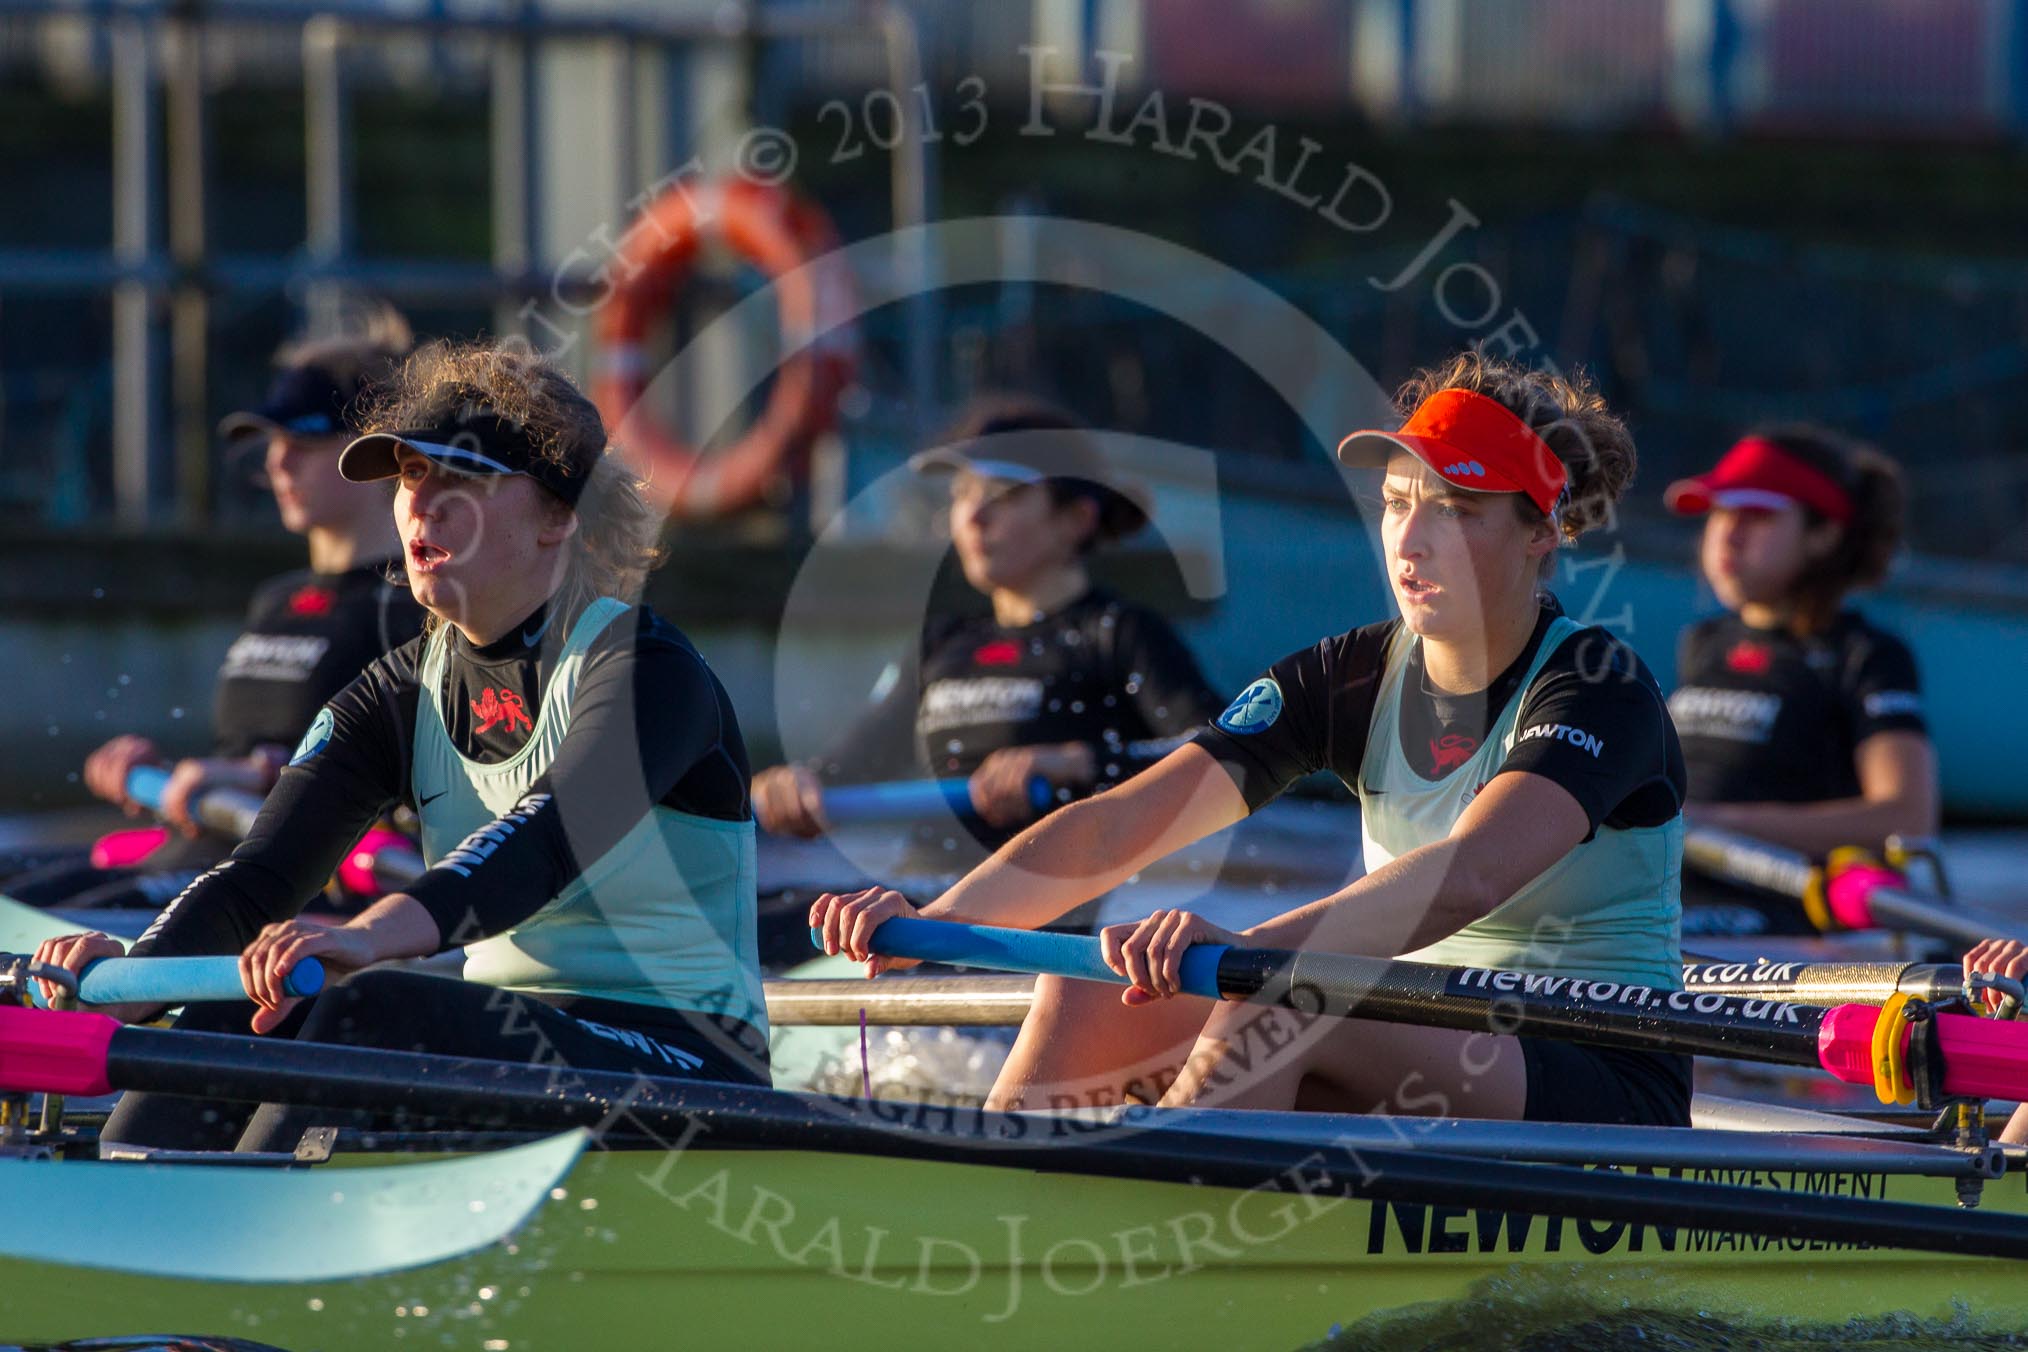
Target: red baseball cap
(1470,441)
(1757,472)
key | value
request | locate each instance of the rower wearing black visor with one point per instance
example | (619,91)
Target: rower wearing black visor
(577,769)
(1062,682)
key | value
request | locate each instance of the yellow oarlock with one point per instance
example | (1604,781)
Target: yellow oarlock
(1816,906)
(1892,1082)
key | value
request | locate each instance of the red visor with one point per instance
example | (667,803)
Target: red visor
(1758,473)
(1470,441)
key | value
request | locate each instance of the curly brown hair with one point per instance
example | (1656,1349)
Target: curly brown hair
(1868,542)
(617,542)
(1565,410)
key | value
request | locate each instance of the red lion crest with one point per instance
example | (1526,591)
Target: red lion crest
(1451,750)
(501,706)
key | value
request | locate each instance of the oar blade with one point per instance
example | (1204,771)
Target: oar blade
(243,1224)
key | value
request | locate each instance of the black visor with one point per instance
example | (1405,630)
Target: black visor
(480,443)
(304,400)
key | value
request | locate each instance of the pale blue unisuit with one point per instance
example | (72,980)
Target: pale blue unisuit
(1611,909)
(664,918)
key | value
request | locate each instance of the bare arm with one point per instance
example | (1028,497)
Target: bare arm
(1084,849)
(1898,796)
(1517,827)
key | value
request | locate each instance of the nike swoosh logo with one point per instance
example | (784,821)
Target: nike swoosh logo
(425,802)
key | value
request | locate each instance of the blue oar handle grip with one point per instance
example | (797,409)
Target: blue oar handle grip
(228,811)
(916,799)
(181,981)
(1012,950)
(145,784)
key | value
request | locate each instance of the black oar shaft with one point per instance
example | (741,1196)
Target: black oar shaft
(1743,859)
(1606,1013)
(1788,873)
(690,1114)
(1892,908)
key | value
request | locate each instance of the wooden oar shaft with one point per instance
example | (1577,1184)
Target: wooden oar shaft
(907,1001)
(1824,983)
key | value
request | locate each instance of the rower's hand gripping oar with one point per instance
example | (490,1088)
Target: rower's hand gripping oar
(174,981)
(230,812)
(1905,1049)
(915,800)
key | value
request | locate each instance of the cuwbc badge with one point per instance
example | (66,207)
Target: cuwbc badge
(316,739)
(1257,707)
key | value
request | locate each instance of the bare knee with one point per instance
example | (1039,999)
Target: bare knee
(1080,1047)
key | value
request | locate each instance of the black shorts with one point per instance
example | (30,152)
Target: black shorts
(1570,1082)
(410,1011)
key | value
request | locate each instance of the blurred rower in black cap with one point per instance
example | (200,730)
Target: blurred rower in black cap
(1061,683)
(307,634)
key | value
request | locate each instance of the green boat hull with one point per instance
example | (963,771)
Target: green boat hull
(704,1247)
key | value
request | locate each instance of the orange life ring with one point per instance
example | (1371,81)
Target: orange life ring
(779,233)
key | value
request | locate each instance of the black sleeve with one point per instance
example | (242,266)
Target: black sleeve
(1160,675)
(1885,689)
(1594,722)
(647,711)
(1689,644)
(347,771)
(1280,727)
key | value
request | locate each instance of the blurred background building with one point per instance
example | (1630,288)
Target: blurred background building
(1730,210)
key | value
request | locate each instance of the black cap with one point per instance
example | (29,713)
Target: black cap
(1063,456)
(469,442)
(303,400)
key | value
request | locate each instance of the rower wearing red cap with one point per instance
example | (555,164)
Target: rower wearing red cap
(1520,789)
(1801,721)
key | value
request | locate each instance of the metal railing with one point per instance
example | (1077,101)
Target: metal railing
(161,261)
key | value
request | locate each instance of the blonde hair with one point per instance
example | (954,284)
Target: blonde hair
(363,352)
(617,541)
